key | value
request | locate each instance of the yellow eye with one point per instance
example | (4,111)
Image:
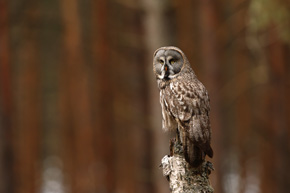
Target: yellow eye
(161,61)
(172,61)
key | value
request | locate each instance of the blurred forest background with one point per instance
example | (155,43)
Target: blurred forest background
(79,105)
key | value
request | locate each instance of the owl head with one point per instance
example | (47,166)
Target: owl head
(169,62)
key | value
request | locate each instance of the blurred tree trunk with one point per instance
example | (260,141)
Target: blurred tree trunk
(6,104)
(278,109)
(209,50)
(130,93)
(271,39)
(187,34)
(27,117)
(239,92)
(275,156)
(52,143)
(50,60)
(103,94)
(79,135)
(158,32)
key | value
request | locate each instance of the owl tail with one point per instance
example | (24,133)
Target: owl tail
(192,153)
(209,151)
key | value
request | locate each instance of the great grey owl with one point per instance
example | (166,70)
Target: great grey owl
(185,103)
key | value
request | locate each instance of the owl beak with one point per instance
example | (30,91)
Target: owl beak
(165,71)
(166,68)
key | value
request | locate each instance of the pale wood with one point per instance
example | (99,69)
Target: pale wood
(182,177)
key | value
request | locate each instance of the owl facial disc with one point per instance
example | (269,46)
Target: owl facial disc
(167,63)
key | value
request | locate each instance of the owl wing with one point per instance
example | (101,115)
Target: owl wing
(190,104)
(189,99)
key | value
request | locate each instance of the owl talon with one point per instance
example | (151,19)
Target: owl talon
(209,167)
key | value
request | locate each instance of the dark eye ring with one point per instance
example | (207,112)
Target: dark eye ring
(161,61)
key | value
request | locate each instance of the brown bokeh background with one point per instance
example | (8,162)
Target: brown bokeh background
(79,105)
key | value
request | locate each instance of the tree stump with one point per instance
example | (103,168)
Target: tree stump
(181,176)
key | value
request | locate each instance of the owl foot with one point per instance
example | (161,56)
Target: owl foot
(208,167)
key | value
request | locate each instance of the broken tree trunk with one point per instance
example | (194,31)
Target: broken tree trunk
(181,176)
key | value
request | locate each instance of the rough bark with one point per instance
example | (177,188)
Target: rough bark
(182,177)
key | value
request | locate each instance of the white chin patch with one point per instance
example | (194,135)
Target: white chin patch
(172,76)
(162,75)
